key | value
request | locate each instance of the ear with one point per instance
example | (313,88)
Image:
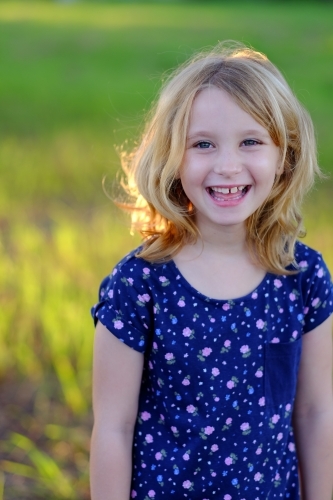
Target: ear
(279,168)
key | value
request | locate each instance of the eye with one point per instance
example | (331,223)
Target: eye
(250,142)
(203,145)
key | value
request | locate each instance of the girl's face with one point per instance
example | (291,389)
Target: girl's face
(230,161)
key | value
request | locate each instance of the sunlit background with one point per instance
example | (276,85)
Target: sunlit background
(76,79)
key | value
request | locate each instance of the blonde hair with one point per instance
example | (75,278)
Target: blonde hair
(161,211)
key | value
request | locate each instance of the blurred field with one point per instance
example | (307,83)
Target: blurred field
(76,80)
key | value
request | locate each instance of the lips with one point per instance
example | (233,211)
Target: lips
(227,193)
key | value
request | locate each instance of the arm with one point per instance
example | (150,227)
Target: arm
(117,372)
(313,414)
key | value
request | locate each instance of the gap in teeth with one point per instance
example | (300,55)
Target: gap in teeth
(232,190)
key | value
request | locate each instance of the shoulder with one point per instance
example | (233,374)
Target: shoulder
(311,266)
(130,264)
(306,257)
(135,272)
(314,284)
(310,263)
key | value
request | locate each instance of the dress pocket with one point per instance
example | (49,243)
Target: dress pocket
(280,372)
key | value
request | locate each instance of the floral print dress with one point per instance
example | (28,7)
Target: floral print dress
(219,378)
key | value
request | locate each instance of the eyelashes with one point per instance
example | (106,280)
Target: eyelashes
(208,145)
(202,145)
(251,142)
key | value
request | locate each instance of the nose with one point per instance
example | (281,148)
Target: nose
(227,162)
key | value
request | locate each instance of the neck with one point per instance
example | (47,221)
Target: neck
(227,240)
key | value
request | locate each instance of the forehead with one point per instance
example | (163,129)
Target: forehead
(214,107)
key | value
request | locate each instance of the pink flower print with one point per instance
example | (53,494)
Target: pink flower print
(145,415)
(174,429)
(227,497)
(114,272)
(162,417)
(259,373)
(186,456)
(214,447)
(277,477)
(215,372)
(151,493)
(110,294)
(281,310)
(254,295)
(257,476)
(288,407)
(186,381)
(260,324)
(150,364)
(275,340)
(315,302)
(133,494)
(228,461)
(209,430)
(320,273)
(187,485)
(206,351)
(279,436)
(291,446)
(277,283)
(155,346)
(275,419)
(227,343)
(118,324)
(228,421)
(149,438)
(190,409)
(294,334)
(143,465)
(246,428)
(230,384)
(130,281)
(303,264)
(146,270)
(187,332)
(144,298)
(181,303)
(213,474)
(212,320)
(169,356)
(292,296)
(244,349)
(262,401)
(158,455)
(258,451)
(226,306)
(162,279)
(216,399)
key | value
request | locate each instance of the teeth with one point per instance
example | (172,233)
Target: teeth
(232,190)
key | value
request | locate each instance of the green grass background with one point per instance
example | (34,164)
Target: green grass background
(76,80)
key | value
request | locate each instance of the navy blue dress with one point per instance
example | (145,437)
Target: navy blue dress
(219,378)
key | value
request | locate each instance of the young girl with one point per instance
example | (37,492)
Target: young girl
(221,385)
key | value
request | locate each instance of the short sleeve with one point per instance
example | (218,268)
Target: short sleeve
(317,293)
(125,307)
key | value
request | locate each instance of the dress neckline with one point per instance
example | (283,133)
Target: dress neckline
(244,298)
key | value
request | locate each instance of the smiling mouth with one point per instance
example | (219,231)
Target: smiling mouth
(225,193)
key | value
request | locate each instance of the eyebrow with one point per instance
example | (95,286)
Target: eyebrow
(199,133)
(256,131)
(249,132)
